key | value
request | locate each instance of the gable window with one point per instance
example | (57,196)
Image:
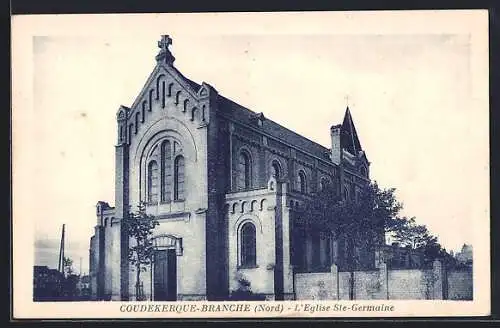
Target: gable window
(301,182)
(244,174)
(153,182)
(179,178)
(248,245)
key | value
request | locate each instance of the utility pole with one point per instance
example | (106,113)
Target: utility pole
(61,252)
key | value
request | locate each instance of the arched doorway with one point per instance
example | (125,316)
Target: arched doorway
(164,286)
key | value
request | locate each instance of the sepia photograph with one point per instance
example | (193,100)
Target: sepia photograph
(251,164)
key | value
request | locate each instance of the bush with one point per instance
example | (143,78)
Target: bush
(244,292)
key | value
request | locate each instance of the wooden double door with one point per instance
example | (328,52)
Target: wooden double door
(165,275)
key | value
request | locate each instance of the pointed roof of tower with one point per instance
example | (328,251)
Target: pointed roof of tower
(348,136)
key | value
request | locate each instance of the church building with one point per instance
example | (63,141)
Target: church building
(225,183)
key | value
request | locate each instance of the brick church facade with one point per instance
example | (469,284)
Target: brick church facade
(224,183)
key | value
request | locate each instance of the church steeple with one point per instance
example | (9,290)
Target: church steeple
(345,137)
(348,135)
(165,56)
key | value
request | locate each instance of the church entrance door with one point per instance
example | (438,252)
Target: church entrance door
(165,275)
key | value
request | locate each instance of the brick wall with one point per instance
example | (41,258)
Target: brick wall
(460,285)
(413,284)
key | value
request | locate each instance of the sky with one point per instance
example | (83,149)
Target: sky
(413,97)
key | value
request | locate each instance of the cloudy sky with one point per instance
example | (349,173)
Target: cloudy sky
(415,88)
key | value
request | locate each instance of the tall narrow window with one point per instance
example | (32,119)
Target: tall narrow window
(163,94)
(179,178)
(248,245)
(170,86)
(143,112)
(356,195)
(136,122)
(177,97)
(345,194)
(276,169)
(243,181)
(323,184)
(166,172)
(301,182)
(362,171)
(152,182)
(130,128)
(177,147)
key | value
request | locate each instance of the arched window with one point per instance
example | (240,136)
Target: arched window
(165,179)
(248,245)
(150,108)
(162,94)
(352,192)
(244,175)
(324,183)
(121,134)
(152,182)
(362,171)
(301,182)
(130,128)
(276,169)
(177,97)
(166,163)
(170,86)
(136,122)
(345,194)
(193,113)
(177,147)
(179,178)
(143,111)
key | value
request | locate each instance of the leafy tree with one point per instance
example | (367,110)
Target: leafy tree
(68,266)
(366,219)
(139,226)
(361,223)
(410,234)
(417,237)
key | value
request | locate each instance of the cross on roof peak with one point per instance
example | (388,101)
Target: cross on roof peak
(165,41)
(165,56)
(346,98)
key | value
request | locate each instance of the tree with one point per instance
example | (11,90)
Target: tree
(361,223)
(139,226)
(68,266)
(417,237)
(410,234)
(366,219)
(69,280)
